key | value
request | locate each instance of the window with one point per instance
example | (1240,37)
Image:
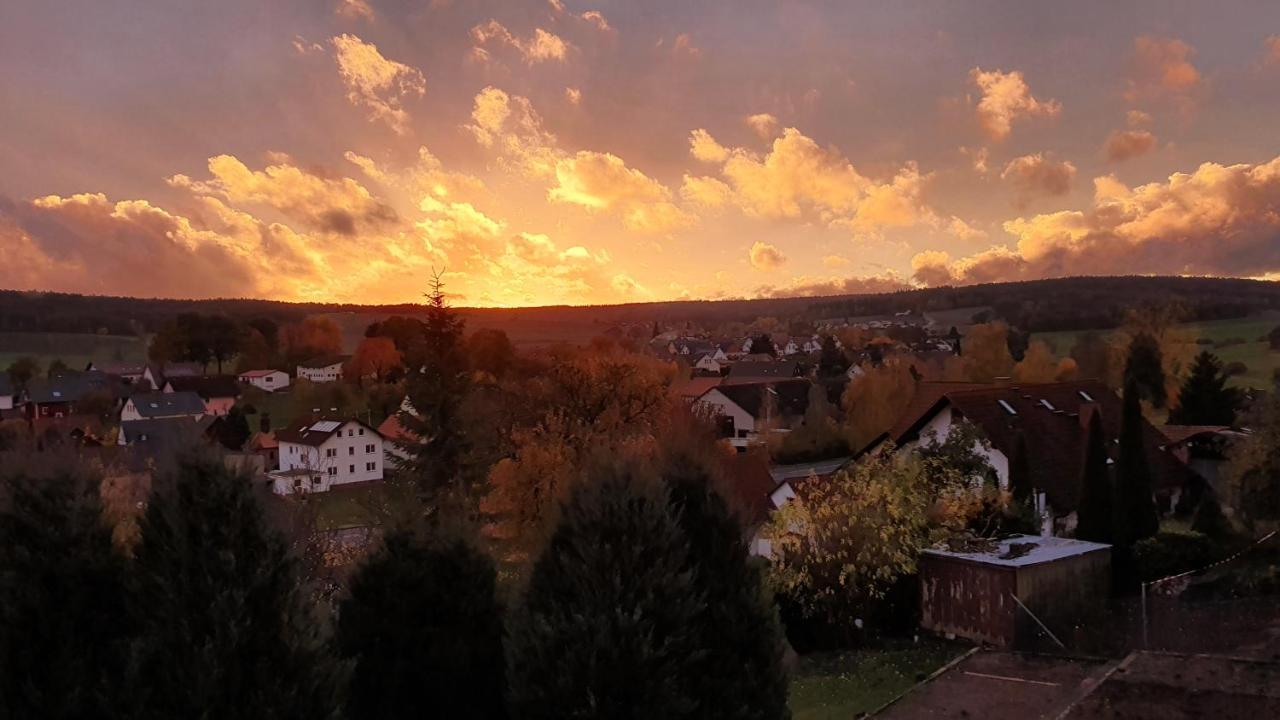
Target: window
(333,471)
(368,448)
(371,466)
(351,433)
(352,469)
(361,431)
(351,450)
(331,452)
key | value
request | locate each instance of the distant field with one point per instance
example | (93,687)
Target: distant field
(1256,354)
(76,350)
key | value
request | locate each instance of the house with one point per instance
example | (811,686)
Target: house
(327,452)
(693,388)
(264,444)
(707,363)
(128,372)
(745,412)
(269,380)
(60,395)
(394,433)
(1204,448)
(157,405)
(787,482)
(981,589)
(1051,420)
(178,369)
(322,369)
(219,392)
(752,371)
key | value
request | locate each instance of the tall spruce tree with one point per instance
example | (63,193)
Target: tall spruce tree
(423,629)
(1096,514)
(1144,368)
(606,631)
(1205,398)
(436,386)
(741,675)
(224,631)
(62,599)
(1136,505)
(1021,483)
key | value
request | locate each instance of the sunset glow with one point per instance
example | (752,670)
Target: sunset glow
(547,152)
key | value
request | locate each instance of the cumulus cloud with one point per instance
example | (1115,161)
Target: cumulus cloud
(764,125)
(764,256)
(963,230)
(706,192)
(804,286)
(541,47)
(597,20)
(510,126)
(373,81)
(426,176)
(1162,71)
(573,95)
(835,261)
(1039,175)
(1217,220)
(355,10)
(336,205)
(602,181)
(1126,144)
(977,158)
(1007,98)
(797,177)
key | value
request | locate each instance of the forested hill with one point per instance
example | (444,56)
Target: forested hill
(1037,305)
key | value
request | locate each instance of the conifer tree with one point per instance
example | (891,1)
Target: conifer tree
(423,630)
(1144,368)
(1021,484)
(1205,398)
(1096,514)
(741,675)
(224,631)
(606,628)
(1138,518)
(62,597)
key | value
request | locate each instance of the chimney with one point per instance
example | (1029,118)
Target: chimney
(315,414)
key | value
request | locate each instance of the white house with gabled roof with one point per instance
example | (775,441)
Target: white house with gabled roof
(321,454)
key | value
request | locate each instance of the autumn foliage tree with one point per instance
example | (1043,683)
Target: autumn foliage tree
(876,398)
(986,352)
(315,335)
(1040,365)
(375,357)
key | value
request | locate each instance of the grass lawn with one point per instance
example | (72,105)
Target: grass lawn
(1256,355)
(842,685)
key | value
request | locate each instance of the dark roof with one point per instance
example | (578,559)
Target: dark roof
(1048,416)
(749,370)
(6,388)
(181,369)
(1178,434)
(71,386)
(324,361)
(792,396)
(207,386)
(166,433)
(163,404)
(316,432)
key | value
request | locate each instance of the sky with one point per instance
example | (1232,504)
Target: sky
(542,152)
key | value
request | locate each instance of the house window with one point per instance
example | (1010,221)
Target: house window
(333,471)
(352,469)
(351,450)
(351,433)
(361,431)
(371,466)
(331,452)
(368,448)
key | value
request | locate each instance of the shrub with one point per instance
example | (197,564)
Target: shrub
(1171,553)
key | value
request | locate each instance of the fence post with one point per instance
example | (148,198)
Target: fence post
(1144,616)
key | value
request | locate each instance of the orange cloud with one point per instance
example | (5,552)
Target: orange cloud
(602,181)
(804,286)
(1039,175)
(1126,144)
(355,10)
(543,46)
(764,125)
(379,84)
(1162,70)
(510,126)
(1007,98)
(764,256)
(1221,220)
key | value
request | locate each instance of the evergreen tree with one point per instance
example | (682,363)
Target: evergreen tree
(423,629)
(1144,368)
(763,343)
(437,384)
(1138,518)
(62,597)
(606,631)
(1205,398)
(742,677)
(224,630)
(831,362)
(1021,484)
(1096,514)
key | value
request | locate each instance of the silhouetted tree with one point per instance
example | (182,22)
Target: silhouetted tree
(63,632)
(1205,398)
(423,630)
(224,629)
(763,343)
(1096,514)
(831,362)
(1144,369)
(1137,506)
(1021,483)
(607,627)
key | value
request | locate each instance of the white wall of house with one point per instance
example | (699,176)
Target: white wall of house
(940,425)
(275,380)
(351,455)
(6,402)
(328,373)
(708,363)
(130,412)
(744,424)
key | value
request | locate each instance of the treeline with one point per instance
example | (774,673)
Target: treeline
(1034,305)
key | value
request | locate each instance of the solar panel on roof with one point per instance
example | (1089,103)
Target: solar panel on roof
(1007,407)
(326,426)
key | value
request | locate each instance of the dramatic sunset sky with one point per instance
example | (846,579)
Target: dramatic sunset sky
(567,151)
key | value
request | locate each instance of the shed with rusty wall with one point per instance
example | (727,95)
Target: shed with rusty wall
(971,594)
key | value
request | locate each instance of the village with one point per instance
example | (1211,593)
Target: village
(1033,557)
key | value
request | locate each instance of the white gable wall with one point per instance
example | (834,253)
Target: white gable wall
(351,455)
